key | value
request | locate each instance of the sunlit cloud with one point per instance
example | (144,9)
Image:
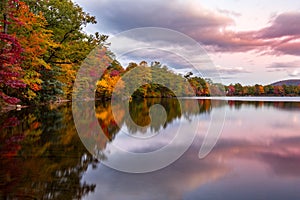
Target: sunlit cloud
(294,73)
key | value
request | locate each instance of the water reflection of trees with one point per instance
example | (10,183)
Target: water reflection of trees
(42,156)
(140,114)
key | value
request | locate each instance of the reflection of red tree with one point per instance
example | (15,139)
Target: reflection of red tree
(9,150)
(11,145)
(107,128)
(11,169)
(10,122)
(231,103)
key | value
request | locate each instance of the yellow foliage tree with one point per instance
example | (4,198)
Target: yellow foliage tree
(107,85)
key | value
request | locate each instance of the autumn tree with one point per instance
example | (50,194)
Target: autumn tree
(66,20)
(199,85)
(10,55)
(238,89)
(230,90)
(107,85)
(259,89)
(269,89)
(36,41)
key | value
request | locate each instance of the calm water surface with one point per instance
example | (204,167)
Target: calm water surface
(256,157)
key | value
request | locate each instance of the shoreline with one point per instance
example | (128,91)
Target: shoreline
(250,98)
(9,107)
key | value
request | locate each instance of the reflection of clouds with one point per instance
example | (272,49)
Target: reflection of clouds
(172,182)
(162,138)
(189,174)
(281,155)
(267,134)
(285,160)
(283,164)
(262,122)
(288,125)
(283,125)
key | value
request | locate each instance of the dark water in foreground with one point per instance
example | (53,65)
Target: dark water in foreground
(256,157)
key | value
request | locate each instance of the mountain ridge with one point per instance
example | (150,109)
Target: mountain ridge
(288,82)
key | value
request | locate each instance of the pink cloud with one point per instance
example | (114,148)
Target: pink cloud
(281,36)
(285,24)
(206,26)
(292,48)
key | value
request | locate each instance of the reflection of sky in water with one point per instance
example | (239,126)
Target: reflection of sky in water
(257,157)
(262,124)
(162,138)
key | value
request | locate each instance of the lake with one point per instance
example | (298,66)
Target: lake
(257,154)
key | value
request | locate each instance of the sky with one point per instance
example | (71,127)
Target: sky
(249,42)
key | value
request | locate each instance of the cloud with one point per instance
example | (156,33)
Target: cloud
(294,73)
(285,24)
(292,48)
(281,36)
(231,70)
(284,32)
(120,15)
(229,12)
(291,68)
(187,17)
(169,47)
(208,27)
(285,65)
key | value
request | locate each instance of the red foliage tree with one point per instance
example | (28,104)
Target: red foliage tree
(10,58)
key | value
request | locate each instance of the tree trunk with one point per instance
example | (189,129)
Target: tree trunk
(5,25)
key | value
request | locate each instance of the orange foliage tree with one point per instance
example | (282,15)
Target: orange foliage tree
(36,41)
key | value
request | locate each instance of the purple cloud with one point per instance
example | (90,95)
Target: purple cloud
(285,24)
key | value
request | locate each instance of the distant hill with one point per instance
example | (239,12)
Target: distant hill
(293,82)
